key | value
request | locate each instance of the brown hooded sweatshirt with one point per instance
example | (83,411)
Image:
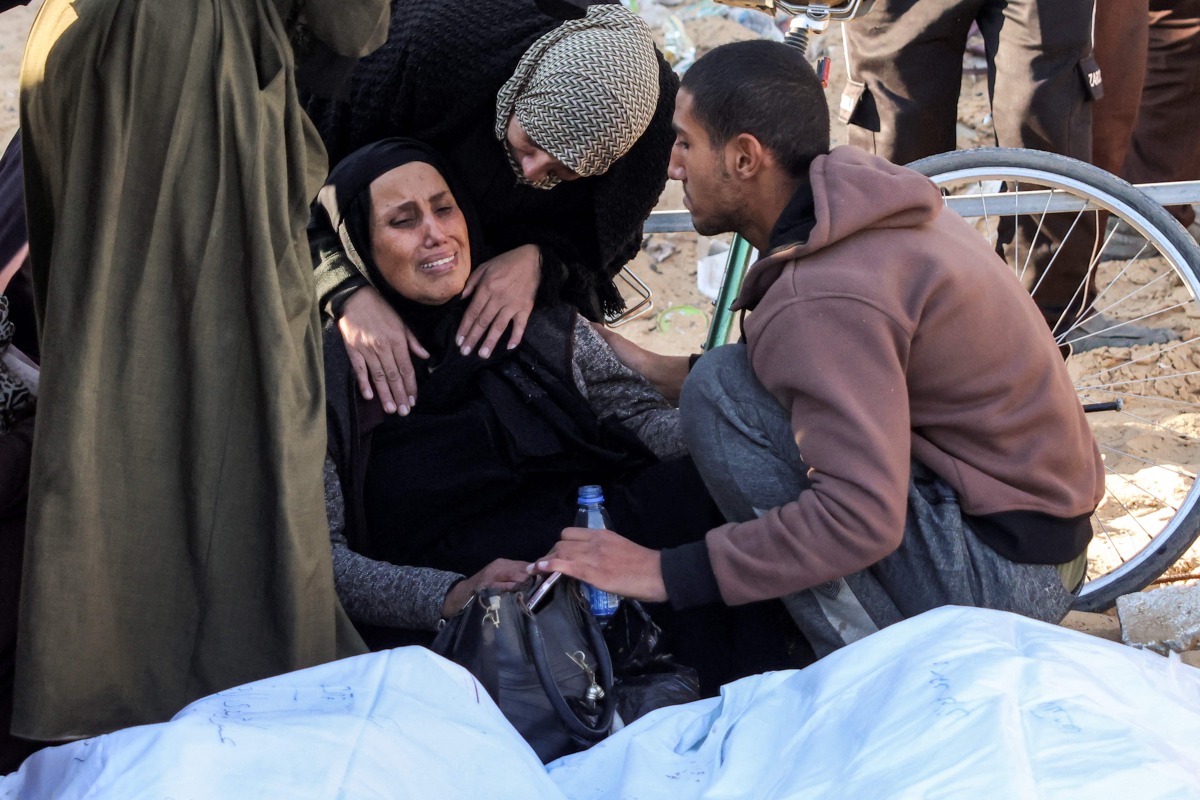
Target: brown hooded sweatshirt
(893,332)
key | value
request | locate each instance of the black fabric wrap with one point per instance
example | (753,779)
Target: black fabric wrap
(12,201)
(493,451)
(13,235)
(483,428)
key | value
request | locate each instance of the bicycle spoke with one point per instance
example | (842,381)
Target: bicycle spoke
(986,220)
(1050,264)
(1108,237)
(1128,265)
(1109,387)
(1117,325)
(1032,239)
(1141,250)
(1017,228)
(1131,515)
(1154,356)
(1092,573)
(1154,464)
(1147,422)
(1139,289)
(1092,266)
(1109,536)
(1144,493)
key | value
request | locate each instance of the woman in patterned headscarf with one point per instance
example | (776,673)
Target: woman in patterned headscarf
(519,103)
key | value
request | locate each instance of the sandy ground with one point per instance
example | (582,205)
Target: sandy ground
(14,27)
(680,314)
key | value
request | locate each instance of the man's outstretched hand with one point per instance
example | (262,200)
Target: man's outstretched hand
(607,561)
(503,574)
(665,373)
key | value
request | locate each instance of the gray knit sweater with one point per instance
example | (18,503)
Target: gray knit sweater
(379,593)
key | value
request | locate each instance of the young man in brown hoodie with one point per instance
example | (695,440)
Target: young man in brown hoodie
(898,430)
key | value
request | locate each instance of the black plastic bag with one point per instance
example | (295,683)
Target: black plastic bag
(645,676)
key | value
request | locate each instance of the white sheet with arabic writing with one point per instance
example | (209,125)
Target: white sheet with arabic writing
(953,703)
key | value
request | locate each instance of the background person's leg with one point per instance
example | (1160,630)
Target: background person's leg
(908,54)
(1166,144)
(1040,101)
(1039,94)
(1121,38)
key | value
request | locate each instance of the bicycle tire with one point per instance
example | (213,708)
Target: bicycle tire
(1150,378)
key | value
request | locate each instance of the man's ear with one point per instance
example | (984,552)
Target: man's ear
(747,155)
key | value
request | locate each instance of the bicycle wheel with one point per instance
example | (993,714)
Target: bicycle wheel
(1130,330)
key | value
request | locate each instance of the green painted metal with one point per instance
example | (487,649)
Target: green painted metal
(736,264)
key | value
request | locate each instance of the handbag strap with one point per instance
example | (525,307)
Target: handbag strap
(489,670)
(575,725)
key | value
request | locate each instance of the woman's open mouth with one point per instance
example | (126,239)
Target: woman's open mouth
(448,261)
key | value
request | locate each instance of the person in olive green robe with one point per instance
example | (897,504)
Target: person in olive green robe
(177,542)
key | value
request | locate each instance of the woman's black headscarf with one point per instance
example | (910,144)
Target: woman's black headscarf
(346,201)
(527,393)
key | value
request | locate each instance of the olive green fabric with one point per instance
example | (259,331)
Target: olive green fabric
(177,539)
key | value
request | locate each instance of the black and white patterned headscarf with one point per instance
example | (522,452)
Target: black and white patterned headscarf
(15,398)
(585,92)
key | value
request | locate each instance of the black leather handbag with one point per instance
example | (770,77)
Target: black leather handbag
(548,668)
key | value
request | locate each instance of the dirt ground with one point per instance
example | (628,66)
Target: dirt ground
(680,314)
(14,27)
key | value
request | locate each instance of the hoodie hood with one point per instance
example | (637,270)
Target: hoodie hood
(852,191)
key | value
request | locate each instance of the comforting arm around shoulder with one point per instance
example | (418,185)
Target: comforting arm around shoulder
(336,277)
(615,391)
(376,592)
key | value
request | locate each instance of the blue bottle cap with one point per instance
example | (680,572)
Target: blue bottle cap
(590,495)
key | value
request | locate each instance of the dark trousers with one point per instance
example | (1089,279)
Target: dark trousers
(909,54)
(1122,38)
(906,56)
(1144,128)
(743,444)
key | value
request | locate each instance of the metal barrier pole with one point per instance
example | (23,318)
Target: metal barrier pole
(735,269)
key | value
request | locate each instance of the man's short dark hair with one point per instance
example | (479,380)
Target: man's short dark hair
(766,89)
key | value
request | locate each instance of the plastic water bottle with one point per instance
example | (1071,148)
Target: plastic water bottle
(591,514)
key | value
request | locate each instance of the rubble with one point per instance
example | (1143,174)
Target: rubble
(1163,620)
